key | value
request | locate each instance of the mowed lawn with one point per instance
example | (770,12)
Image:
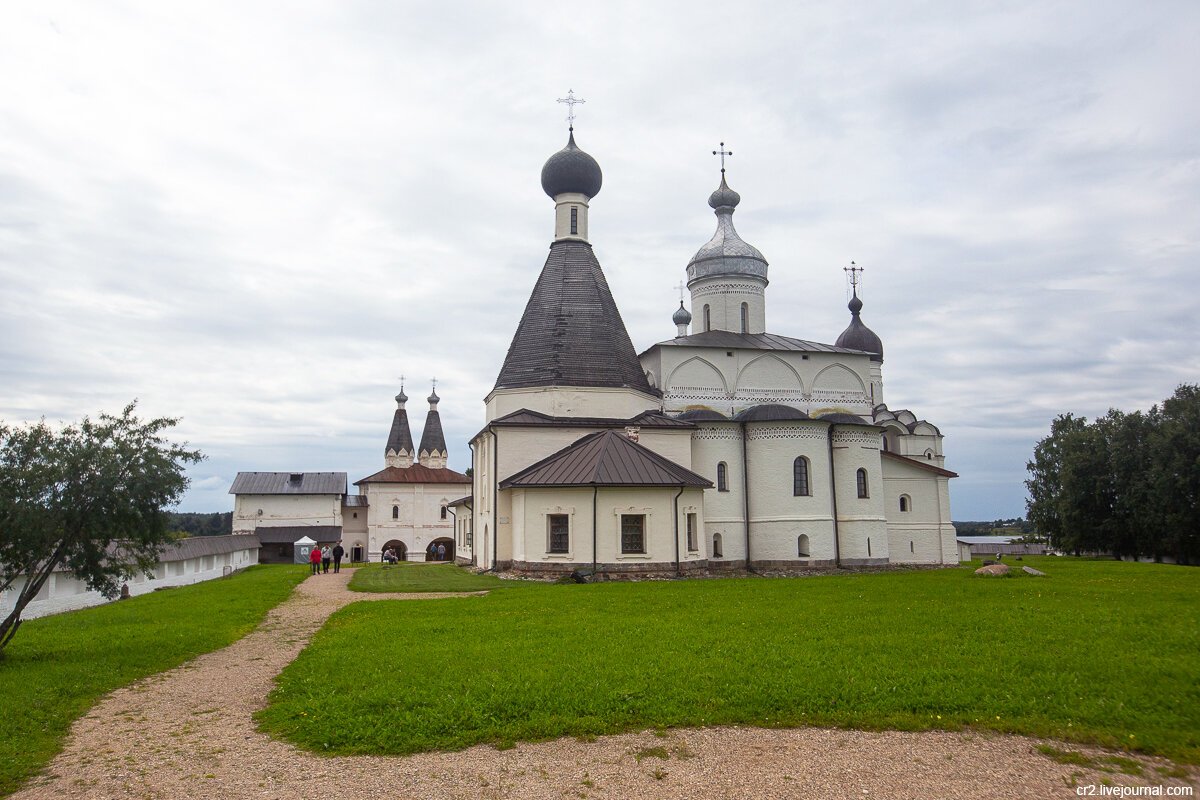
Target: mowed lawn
(410,576)
(56,668)
(1101,652)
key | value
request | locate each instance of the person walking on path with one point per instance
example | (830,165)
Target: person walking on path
(338,552)
(314,558)
(441,552)
(326,557)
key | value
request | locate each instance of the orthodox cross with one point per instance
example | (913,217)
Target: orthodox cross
(434,380)
(402,383)
(853,271)
(680,287)
(722,153)
(571,100)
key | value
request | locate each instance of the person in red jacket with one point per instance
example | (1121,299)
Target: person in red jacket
(314,558)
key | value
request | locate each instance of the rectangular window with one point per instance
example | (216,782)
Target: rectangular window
(633,533)
(559,533)
(691,533)
(574,220)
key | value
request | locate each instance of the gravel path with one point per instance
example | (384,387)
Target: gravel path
(188,733)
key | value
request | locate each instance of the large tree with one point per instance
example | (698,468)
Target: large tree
(88,499)
(1126,484)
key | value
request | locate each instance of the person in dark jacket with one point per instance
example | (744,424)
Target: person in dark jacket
(338,552)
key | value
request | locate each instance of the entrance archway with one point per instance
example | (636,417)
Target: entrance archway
(398,546)
(431,552)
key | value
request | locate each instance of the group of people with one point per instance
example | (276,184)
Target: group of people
(320,557)
(390,556)
(436,553)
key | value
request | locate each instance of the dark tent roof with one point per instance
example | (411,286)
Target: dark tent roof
(571,333)
(606,458)
(400,437)
(432,439)
(289,483)
(771,412)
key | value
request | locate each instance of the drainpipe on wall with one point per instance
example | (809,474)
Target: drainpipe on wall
(474,555)
(675,503)
(495,500)
(837,556)
(746,496)
(595,491)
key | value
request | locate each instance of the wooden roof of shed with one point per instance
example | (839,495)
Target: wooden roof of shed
(605,458)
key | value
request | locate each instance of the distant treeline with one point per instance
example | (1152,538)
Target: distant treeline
(1000,527)
(202,524)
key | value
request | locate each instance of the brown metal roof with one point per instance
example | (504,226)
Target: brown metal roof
(417,473)
(289,483)
(912,462)
(606,458)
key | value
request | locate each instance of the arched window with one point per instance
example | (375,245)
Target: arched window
(862,483)
(443,512)
(717,546)
(745,318)
(886,449)
(707,318)
(802,545)
(800,487)
(722,478)
(929,455)
(395,512)
(905,503)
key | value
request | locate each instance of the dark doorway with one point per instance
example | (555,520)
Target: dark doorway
(399,548)
(447,553)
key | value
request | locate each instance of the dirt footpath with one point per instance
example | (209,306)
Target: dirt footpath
(188,733)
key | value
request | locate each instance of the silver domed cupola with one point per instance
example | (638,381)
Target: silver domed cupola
(728,277)
(682,318)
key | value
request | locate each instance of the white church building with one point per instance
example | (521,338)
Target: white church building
(727,446)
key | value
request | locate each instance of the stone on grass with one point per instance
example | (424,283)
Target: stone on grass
(1032,571)
(993,569)
(987,562)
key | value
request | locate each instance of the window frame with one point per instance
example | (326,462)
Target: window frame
(801,485)
(691,523)
(722,476)
(864,488)
(626,544)
(565,548)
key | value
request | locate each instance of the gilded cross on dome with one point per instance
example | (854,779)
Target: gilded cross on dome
(571,100)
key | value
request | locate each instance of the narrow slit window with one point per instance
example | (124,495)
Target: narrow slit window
(574,220)
(862,483)
(745,318)
(395,512)
(722,478)
(800,486)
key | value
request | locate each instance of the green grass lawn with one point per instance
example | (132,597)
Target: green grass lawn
(56,668)
(408,576)
(1101,652)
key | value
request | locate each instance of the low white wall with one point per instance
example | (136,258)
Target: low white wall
(63,592)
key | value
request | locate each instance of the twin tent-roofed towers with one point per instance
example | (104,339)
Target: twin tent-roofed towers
(725,447)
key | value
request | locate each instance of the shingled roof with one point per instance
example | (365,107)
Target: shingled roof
(571,333)
(606,458)
(432,439)
(400,437)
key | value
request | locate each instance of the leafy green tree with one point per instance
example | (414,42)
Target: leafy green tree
(1175,443)
(89,499)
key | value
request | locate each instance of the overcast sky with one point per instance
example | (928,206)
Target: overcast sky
(258,216)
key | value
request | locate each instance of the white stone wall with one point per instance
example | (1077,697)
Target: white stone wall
(532,507)
(570,401)
(862,525)
(724,297)
(285,509)
(723,511)
(777,516)
(63,592)
(355,526)
(418,518)
(730,381)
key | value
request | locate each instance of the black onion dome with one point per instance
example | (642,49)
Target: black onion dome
(571,170)
(702,415)
(771,412)
(858,336)
(841,418)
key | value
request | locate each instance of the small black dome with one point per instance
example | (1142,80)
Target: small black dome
(702,415)
(771,412)
(858,336)
(681,316)
(571,170)
(843,419)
